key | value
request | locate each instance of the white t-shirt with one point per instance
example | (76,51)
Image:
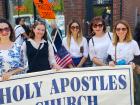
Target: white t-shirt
(74,49)
(100,47)
(18,31)
(125,51)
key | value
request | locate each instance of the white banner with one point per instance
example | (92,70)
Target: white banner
(80,86)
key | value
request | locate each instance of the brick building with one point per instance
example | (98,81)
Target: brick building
(83,10)
(3,10)
(121,9)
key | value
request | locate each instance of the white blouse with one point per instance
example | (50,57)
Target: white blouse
(18,31)
(74,49)
(125,51)
(98,48)
(34,44)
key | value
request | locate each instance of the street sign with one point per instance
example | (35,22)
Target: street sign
(44,9)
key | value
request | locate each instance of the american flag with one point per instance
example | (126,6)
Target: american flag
(63,58)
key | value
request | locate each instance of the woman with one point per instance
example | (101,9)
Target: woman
(11,61)
(124,49)
(76,44)
(38,51)
(99,43)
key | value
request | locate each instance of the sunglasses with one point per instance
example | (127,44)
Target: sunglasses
(97,25)
(7,29)
(123,29)
(75,27)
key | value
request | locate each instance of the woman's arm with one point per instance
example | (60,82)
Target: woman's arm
(51,58)
(98,62)
(7,75)
(83,60)
(110,61)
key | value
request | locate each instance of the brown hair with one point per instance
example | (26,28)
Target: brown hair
(79,37)
(96,20)
(128,36)
(12,34)
(32,34)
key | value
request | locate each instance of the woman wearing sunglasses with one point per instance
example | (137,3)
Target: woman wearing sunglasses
(124,50)
(76,44)
(99,43)
(10,56)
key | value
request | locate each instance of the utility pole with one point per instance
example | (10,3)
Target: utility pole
(18,7)
(34,10)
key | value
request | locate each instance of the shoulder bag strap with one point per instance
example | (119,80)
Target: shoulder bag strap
(115,54)
(15,30)
(92,41)
(109,35)
(37,51)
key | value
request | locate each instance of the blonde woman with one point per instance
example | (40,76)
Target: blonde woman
(124,50)
(76,44)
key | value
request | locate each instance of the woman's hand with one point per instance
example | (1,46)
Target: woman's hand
(111,63)
(6,76)
(133,65)
(57,67)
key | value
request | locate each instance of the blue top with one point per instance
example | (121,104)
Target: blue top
(11,59)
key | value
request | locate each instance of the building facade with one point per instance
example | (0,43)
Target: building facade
(85,10)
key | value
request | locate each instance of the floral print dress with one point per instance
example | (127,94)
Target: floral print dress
(11,59)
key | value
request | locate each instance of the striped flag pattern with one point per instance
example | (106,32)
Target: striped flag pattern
(63,58)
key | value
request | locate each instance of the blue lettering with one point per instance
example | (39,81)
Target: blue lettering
(38,88)
(28,96)
(92,99)
(39,103)
(85,86)
(64,84)
(53,102)
(59,101)
(8,96)
(75,84)
(112,82)
(94,78)
(102,84)
(21,93)
(46,102)
(80,99)
(54,88)
(71,101)
(122,80)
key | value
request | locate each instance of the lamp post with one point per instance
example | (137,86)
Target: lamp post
(34,10)
(18,7)
(120,9)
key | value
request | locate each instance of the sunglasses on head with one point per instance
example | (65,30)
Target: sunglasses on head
(75,27)
(97,25)
(7,29)
(123,29)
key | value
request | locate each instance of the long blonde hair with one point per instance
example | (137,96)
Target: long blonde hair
(79,37)
(128,36)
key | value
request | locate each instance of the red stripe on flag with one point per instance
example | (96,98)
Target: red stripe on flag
(64,61)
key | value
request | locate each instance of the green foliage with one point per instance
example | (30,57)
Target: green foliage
(59,7)
(98,11)
(29,7)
